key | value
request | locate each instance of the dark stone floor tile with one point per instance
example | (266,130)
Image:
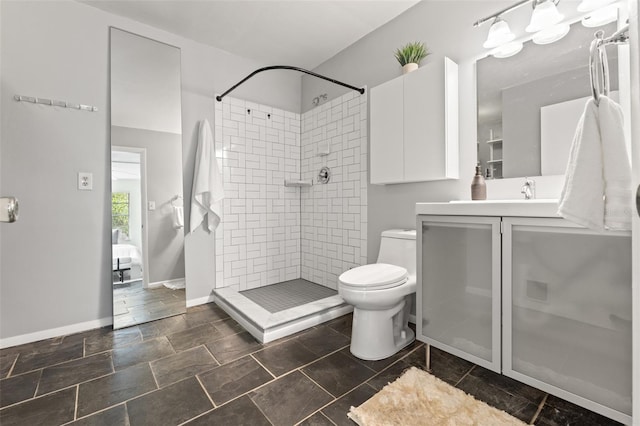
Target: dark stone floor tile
(115,416)
(182,365)
(203,314)
(233,379)
(70,373)
(302,397)
(6,363)
(515,405)
(192,337)
(172,405)
(318,419)
(444,366)
(227,327)
(114,389)
(110,339)
(558,412)
(342,324)
(338,373)
(47,355)
(233,347)
(389,375)
(163,327)
(338,410)
(53,409)
(144,351)
(241,412)
(287,356)
(508,384)
(323,340)
(18,388)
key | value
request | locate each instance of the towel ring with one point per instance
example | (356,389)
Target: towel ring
(598,67)
(175,197)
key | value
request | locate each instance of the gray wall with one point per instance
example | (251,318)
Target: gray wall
(446,28)
(164,180)
(60,248)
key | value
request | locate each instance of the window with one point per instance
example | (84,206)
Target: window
(120,211)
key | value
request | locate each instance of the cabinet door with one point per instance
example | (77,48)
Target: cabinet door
(431,122)
(567,312)
(387,133)
(458,295)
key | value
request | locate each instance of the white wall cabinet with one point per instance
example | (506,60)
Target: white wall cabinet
(540,300)
(414,126)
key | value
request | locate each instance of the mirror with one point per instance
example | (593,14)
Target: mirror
(146,180)
(529,104)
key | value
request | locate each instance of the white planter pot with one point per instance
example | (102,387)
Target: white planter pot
(407,68)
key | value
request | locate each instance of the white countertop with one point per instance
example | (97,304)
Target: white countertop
(520,207)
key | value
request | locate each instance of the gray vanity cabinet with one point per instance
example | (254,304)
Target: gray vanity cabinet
(540,300)
(458,303)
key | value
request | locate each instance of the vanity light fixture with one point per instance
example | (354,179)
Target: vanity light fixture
(507,50)
(551,34)
(545,14)
(499,34)
(602,16)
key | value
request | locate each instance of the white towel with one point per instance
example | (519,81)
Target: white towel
(597,186)
(178,217)
(207,183)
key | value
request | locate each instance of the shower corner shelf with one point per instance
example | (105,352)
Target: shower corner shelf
(298,183)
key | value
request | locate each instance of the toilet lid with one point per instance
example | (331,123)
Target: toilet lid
(376,275)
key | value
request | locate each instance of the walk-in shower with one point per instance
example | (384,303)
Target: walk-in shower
(280,249)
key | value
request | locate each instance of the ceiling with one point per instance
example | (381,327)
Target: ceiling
(302,33)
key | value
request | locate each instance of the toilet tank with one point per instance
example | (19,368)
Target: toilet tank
(398,247)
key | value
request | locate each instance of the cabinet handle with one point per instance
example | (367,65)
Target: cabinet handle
(638,200)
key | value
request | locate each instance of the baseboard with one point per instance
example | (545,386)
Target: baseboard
(54,332)
(200,301)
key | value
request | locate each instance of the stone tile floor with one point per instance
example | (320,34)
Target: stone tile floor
(202,368)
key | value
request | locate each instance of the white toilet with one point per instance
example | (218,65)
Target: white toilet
(381,297)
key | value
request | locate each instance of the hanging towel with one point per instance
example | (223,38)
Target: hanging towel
(207,183)
(178,217)
(597,186)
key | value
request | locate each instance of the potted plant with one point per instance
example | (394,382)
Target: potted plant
(410,56)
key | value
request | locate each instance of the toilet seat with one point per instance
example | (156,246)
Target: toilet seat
(376,276)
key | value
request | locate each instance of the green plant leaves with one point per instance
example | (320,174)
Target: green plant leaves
(411,52)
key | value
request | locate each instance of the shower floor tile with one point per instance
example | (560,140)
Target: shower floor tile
(288,294)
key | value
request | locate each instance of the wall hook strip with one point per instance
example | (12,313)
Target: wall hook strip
(53,102)
(288,67)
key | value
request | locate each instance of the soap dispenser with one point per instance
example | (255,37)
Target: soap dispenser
(478,185)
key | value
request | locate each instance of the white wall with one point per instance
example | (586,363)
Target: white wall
(446,28)
(259,237)
(60,50)
(334,215)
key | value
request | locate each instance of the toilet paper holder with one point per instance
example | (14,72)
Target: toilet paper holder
(8,209)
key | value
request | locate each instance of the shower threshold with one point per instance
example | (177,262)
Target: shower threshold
(260,316)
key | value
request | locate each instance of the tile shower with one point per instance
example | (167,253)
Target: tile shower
(271,233)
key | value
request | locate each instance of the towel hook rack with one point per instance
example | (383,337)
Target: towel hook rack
(598,63)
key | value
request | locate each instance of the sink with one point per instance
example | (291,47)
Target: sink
(541,207)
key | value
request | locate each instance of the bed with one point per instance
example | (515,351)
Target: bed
(124,257)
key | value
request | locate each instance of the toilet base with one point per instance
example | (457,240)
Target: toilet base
(379,334)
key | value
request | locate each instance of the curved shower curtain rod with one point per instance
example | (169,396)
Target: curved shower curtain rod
(287,67)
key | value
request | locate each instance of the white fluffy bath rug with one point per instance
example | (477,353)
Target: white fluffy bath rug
(418,398)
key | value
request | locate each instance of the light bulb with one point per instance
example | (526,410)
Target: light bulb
(589,5)
(601,17)
(499,33)
(551,34)
(544,15)
(507,50)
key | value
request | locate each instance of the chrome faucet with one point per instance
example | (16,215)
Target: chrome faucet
(528,189)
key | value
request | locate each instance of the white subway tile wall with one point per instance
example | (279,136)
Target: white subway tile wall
(334,215)
(271,233)
(258,240)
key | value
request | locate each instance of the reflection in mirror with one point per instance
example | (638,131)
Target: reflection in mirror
(146,180)
(529,104)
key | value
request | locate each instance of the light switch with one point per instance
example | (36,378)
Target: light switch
(152,205)
(85,181)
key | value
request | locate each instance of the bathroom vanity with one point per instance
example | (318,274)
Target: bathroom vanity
(510,286)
